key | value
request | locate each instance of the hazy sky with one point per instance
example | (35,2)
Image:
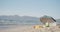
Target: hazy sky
(35,8)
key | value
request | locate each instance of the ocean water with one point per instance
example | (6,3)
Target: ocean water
(10,24)
(4,27)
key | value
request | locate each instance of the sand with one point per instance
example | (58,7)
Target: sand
(30,28)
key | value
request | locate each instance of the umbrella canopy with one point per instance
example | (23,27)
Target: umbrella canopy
(48,19)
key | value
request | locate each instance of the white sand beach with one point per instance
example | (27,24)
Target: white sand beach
(30,28)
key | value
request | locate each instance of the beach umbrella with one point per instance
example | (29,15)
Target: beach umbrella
(46,19)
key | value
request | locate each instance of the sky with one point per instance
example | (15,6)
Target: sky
(35,8)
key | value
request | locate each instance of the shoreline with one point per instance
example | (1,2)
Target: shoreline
(29,28)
